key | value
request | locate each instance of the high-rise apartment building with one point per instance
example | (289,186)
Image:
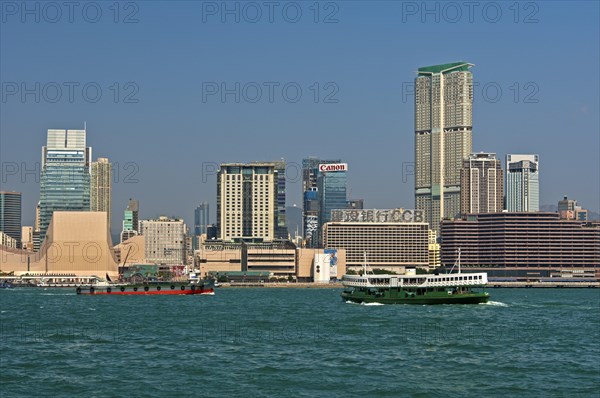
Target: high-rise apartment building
(65,175)
(130,220)
(481,184)
(522,183)
(443,137)
(10,214)
(247,201)
(101,187)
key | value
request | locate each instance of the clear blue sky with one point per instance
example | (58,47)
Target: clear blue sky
(544,56)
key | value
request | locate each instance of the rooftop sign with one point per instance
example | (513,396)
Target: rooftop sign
(326,168)
(377,215)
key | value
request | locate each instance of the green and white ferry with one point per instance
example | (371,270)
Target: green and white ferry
(410,288)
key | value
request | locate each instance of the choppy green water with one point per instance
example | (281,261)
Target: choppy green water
(297,342)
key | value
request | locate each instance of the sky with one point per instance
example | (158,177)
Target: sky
(168,90)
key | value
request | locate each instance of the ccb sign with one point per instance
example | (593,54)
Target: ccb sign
(377,215)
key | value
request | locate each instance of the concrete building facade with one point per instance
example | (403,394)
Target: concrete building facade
(164,241)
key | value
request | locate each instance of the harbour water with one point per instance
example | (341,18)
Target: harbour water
(297,342)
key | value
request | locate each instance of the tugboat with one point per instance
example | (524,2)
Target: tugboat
(457,288)
(203,287)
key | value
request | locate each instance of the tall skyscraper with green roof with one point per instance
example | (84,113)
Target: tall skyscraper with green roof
(443,137)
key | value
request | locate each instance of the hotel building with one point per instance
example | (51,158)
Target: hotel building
(387,244)
(511,243)
(247,202)
(443,137)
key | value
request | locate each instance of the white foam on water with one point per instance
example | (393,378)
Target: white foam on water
(363,303)
(495,303)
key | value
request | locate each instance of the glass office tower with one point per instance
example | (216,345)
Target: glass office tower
(65,175)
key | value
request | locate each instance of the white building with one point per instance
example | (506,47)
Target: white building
(522,183)
(164,241)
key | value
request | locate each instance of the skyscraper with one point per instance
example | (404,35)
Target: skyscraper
(443,137)
(247,201)
(522,183)
(65,175)
(101,187)
(481,184)
(201,219)
(130,220)
(331,185)
(311,202)
(281,230)
(10,214)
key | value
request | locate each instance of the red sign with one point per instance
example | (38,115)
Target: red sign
(333,167)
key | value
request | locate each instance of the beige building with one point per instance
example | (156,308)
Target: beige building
(443,137)
(164,241)
(306,263)
(101,187)
(247,201)
(387,245)
(434,250)
(8,241)
(77,243)
(279,259)
(130,251)
(481,184)
(27,238)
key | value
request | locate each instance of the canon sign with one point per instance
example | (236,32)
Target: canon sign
(333,167)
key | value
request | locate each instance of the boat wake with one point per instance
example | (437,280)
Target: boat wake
(369,304)
(495,303)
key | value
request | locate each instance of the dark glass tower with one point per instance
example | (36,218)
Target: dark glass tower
(10,214)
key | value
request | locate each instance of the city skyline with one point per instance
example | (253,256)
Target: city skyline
(375,106)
